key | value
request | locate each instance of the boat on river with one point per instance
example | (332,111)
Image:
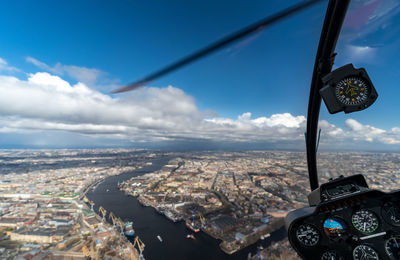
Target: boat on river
(191,236)
(129,231)
(192,226)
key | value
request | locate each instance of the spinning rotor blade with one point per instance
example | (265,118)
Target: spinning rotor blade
(219,44)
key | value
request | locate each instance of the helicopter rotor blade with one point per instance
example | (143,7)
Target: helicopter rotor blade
(219,44)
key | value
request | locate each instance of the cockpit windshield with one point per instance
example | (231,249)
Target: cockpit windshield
(369,39)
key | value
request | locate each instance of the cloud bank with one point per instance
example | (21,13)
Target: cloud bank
(46,103)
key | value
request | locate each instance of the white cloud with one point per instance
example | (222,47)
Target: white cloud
(369,133)
(285,120)
(47,97)
(358,132)
(47,103)
(331,130)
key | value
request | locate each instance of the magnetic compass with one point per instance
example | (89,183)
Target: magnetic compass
(348,89)
(352,91)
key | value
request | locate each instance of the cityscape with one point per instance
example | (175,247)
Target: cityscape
(58,204)
(184,130)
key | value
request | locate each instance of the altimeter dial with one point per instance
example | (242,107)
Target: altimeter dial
(352,91)
(307,235)
(364,252)
(365,221)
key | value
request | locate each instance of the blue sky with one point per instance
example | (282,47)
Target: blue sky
(59,59)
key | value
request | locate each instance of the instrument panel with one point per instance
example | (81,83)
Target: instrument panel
(363,225)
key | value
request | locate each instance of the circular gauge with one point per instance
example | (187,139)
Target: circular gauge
(352,91)
(307,235)
(392,247)
(365,221)
(364,252)
(331,255)
(391,214)
(334,227)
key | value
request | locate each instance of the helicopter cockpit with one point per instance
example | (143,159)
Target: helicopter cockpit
(345,218)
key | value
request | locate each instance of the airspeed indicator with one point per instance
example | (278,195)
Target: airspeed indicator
(365,221)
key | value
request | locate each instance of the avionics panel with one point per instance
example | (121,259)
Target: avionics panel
(365,224)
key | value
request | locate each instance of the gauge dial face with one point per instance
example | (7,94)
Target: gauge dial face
(392,247)
(334,227)
(352,91)
(391,214)
(331,255)
(363,252)
(365,221)
(307,235)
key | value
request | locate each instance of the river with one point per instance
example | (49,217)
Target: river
(148,223)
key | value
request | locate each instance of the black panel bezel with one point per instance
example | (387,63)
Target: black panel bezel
(344,208)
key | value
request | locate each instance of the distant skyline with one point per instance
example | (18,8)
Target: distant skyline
(60,59)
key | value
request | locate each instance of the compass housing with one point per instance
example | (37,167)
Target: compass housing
(348,89)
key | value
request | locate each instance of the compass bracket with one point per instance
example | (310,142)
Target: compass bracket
(348,89)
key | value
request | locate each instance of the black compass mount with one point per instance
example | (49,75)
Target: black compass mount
(348,89)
